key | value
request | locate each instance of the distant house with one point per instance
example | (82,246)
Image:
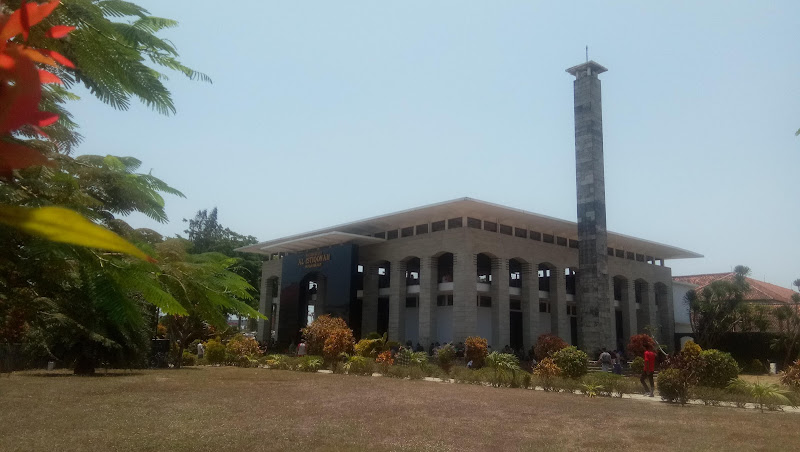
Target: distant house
(760,293)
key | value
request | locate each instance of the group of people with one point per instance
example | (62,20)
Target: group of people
(612,361)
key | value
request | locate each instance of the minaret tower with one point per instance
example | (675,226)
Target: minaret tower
(595,311)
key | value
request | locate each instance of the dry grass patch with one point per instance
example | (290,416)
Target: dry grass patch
(257,409)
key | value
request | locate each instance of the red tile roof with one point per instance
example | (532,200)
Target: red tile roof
(759,290)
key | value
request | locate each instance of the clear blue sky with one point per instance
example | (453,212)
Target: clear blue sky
(327,112)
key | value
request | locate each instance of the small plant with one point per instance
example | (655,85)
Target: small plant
(637,365)
(215,351)
(384,360)
(610,385)
(371,347)
(476,350)
(590,390)
(505,367)
(791,375)
(419,359)
(188,359)
(547,345)
(673,386)
(572,362)
(358,365)
(310,363)
(279,362)
(765,395)
(445,355)
(546,371)
(709,396)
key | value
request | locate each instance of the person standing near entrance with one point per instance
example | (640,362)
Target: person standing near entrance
(201,350)
(648,370)
(301,348)
(605,360)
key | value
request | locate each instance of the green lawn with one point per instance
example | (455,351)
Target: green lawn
(258,409)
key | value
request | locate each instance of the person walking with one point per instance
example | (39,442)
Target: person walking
(605,360)
(201,350)
(301,348)
(648,370)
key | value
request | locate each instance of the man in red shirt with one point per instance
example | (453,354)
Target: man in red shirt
(648,370)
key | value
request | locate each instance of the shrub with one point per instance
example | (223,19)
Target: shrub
(546,371)
(240,349)
(717,369)
(607,384)
(637,365)
(445,356)
(505,367)
(385,360)
(639,343)
(359,365)
(673,386)
(476,350)
(547,345)
(188,359)
(754,366)
(766,395)
(370,347)
(318,332)
(280,362)
(419,359)
(572,362)
(338,341)
(411,372)
(709,396)
(791,375)
(215,351)
(310,363)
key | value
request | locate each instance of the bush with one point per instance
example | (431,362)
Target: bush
(547,345)
(504,366)
(546,371)
(280,362)
(384,360)
(370,347)
(673,386)
(240,349)
(476,350)
(318,332)
(572,362)
(338,341)
(445,355)
(754,366)
(709,396)
(607,384)
(310,363)
(717,369)
(639,343)
(411,372)
(215,351)
(637,365)
(791,375)
(359,365)
(188,359)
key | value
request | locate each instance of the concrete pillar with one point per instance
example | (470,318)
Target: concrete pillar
(465,292)
(594,313)
(628,306)
(501,317)
(652,317)
(369,300)
(559,320)
(322,290)
(529,296)
(428,290)
(397,301)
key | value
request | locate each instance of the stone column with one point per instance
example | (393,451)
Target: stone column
(628,306)
(465,292)
(594,313)
(428,289)
(531,323)
(369,300)
(397,301)
(501,318)
(558,305)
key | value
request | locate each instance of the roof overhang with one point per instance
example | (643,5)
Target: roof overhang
(294,245)
(361,231)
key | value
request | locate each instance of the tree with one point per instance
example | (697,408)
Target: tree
(715,310)
(788,340)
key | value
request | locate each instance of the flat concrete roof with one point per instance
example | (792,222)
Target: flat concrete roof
(361,232)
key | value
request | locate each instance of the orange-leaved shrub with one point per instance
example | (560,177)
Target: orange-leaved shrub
(337,342)
(476,350)
(240,349)
(791,376)
(318,331)
(547,345)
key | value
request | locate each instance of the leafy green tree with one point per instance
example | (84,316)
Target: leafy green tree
(715,309)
